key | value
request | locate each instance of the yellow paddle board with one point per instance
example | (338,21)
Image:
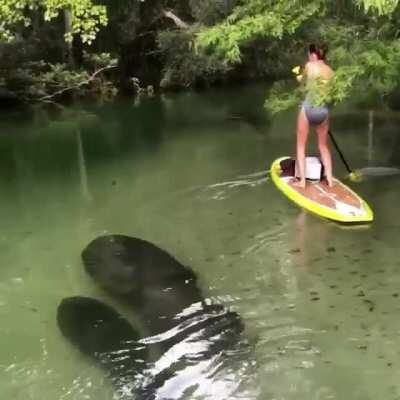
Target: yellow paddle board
(338,203)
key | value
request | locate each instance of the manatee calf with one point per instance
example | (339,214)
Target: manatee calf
(102,334)
(194,366)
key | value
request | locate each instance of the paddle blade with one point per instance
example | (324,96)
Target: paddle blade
(356,176)
(379,171)
(372,172)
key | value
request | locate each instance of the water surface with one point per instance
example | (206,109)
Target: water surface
(188,172)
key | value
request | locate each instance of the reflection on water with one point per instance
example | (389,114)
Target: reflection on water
(220,191)
(189,173)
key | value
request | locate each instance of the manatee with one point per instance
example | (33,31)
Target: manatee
(143,276)
(162,293)
(103,335)
(192,346)
(194,365)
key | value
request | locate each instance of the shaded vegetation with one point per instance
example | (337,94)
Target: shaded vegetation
(362,35)
(53,50)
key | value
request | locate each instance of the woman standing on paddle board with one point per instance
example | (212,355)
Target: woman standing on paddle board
(317,73)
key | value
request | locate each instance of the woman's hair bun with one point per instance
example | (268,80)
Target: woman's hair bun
(319,50)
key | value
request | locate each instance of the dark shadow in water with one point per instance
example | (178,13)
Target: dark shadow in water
(44,140)
(220,109)
(68,144)
(124,127)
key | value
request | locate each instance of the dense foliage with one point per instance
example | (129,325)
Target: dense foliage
(86,21)
(53,48)
(362,35)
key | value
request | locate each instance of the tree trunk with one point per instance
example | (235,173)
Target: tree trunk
(370,135)
(68,31)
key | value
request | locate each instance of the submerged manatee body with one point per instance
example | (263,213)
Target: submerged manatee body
(103,335)
(194,348)
(162,292)
(143,276)
(194,366)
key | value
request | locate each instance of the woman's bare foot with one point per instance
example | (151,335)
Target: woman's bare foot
(299,183)
(328,182)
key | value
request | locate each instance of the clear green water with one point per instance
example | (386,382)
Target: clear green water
(320,301)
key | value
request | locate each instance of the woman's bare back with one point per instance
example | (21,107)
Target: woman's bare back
(318,69)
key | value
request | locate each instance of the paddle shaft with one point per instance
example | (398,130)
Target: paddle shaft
(340,153)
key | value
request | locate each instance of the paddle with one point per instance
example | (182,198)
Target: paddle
(354,176)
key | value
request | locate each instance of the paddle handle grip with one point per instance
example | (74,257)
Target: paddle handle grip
(340,153)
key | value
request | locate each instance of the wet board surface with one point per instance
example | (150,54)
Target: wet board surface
(338,203)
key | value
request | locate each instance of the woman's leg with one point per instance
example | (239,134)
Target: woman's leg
(322,132)
(303,128)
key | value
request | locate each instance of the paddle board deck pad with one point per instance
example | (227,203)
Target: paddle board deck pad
(338,203)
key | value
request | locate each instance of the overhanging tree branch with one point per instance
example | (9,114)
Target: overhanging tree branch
(178,22)
(78,85)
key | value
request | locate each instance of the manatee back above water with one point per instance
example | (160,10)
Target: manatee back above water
(144,276)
